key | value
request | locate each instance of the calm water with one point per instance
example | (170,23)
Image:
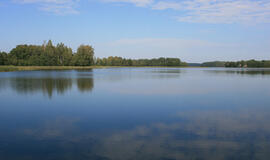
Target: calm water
(135,114)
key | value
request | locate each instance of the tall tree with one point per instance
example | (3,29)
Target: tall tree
(64,55)
(49,57)
(84,56)
(3,58)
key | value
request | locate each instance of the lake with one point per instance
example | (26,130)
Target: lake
(135,114)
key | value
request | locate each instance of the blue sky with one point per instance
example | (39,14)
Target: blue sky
(193,30)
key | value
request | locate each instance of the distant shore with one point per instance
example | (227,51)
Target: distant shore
(32,68)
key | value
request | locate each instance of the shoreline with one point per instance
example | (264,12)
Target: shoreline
(33,68)
(36,68)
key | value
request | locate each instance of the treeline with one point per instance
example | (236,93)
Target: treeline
(3,58)
(213,64)
(61,55)
(250,64)
(48,55)
(240,64)
(119,61)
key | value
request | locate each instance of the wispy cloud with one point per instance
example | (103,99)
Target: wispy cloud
(210,11)
(139,3)
(60,7)
(192,11)
(167,5)
(219,11)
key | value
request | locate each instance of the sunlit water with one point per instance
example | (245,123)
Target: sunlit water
(135,114)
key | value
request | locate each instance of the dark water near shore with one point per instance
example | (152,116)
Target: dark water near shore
(135,114)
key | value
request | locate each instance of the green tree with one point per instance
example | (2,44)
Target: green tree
(49,57)
(19,55)
(63,54)
(213,64)
(84,56)
(3,58)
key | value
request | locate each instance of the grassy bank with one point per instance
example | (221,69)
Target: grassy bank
(31,68)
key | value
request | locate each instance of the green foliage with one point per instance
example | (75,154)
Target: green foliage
(250,64)
(48,55)
(119,61)
(3,58)
(84,56)
(213,64)
(61,55)
(241,64)
(113,61)
(64,55)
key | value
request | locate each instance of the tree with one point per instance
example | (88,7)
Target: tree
(84,56)
(3,58)
(19,55)
(64,55)
(214,64)
(60,55)
(49,58)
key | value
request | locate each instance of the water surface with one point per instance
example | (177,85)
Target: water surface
(135,114)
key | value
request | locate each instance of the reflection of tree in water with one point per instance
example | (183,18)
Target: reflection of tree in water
(250,72)
(85,84)
(46,85)
(115,75)
(3,83)
(59,85)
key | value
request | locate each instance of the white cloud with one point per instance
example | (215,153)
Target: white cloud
(139,3)
(211,11)
(60,7)
(219,11)
(167,5)
(193,11)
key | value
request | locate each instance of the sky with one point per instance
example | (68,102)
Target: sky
(192,30)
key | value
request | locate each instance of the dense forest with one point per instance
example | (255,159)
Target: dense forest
(249,64)
(48,55)
(119,61)
(61,55)
(213,64)
(241,64)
